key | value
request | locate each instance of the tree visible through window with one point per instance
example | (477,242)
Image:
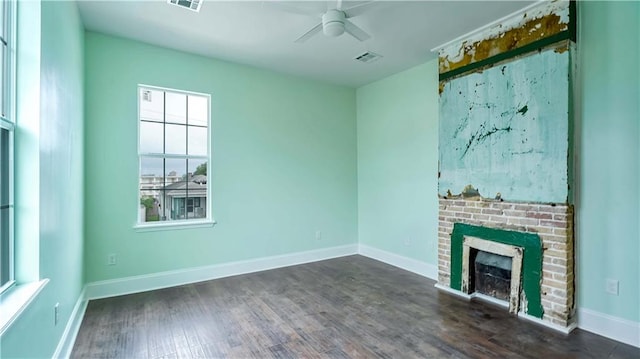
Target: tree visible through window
(174,152)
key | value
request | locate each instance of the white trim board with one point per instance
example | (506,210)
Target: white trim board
(622,330)
(409,264)
(143,283)
(68,339)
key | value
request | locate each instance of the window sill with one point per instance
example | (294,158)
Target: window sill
(173,225)
(15,300)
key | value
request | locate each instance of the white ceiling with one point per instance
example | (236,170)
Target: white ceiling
(262,35)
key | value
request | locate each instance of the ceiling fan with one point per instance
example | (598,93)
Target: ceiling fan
(335,21)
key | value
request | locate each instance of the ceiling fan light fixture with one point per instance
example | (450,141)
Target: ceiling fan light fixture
(333,29)
(333,23)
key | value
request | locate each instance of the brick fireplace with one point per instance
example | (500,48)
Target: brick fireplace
(552,223)
(505,174)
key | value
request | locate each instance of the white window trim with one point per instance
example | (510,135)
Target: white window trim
(176,224)
(16,300)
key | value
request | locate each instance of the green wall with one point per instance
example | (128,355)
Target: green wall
(283,166)
(607,212)
(291,157)
(57,149)
(398,163)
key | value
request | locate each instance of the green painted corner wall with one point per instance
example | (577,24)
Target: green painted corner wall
(398,163)
(397,160)
(283,165)
(58,151)
(608,152)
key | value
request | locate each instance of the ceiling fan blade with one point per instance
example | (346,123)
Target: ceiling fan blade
(285,7)
(307,35)
(355,31)
(358,9)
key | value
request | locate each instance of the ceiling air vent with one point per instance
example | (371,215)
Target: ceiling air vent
(188,4)
(368,57)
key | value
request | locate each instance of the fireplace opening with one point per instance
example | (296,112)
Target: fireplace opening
(492,275)
(492,270)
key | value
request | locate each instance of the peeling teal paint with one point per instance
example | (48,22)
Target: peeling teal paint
(506,130)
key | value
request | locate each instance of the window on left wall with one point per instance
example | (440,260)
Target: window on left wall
(7,127)
(174,154)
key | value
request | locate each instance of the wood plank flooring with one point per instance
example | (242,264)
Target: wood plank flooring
(349,307)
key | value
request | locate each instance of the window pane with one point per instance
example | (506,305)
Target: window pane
(198,167)
(151,171)
(151,137)
(176,140)
(176,188)
(3,78)
(3,20)
(151,105)
(198,111)
(5,210)
(176,170)
(4,166)
(198,188)
(176,110)
(151,187)
(197,141)
(5,250)
(150,206)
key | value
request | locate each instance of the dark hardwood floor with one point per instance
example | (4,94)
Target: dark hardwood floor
(350,307)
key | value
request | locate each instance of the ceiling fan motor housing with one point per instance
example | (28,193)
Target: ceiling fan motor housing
(333,22)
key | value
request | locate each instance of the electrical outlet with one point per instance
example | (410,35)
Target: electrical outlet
(612,286)
(56,313)
(318,235)
(112,259)
(407,241)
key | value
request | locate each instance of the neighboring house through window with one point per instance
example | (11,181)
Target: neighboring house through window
(173,148)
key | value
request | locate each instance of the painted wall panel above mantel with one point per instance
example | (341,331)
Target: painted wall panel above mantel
(505,130)
(505,108)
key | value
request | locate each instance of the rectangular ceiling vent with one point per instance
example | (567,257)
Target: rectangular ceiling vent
(368,57)
(188,4)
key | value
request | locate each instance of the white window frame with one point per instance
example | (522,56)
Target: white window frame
(7,122)
(208,221)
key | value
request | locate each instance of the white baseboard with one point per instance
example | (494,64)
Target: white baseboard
(412,265)
(143,283)
(622,330)
(71,330)
(544,323)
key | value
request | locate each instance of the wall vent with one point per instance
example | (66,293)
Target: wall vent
(193,5)
(368,57)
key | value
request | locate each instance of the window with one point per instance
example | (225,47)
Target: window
(7,124)
(174,152)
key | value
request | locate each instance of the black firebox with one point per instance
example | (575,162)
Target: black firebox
(493,275)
